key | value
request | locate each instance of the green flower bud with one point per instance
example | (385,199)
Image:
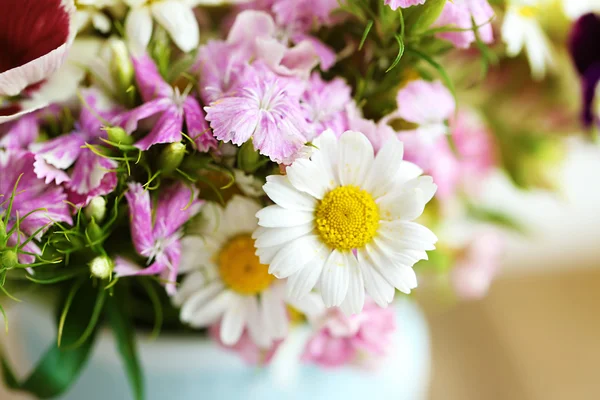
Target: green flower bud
(9,259)
(118,135)
(122,67)
(171,157)
(94,232)
(96,210)
(101,267)
(248,159)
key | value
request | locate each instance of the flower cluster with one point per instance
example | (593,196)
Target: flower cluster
(255,166)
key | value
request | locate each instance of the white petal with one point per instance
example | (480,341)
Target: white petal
(233,321)
(179,20)
(355,154)
(304,280)
(138,28)
(274,313)
(197,253)
(380,290)
(400,276)
(255,323)
(280,190)
(406,234)
(266,237)
(386,166)
(101,22)
(190,285)
(209,312)
(195,302)
(239,216)
(277,217)
(266,254)
(311,306)
(355,298)
(308,176)
(408,202)
(408,171)
(327,155)
(334,279)
(294,255)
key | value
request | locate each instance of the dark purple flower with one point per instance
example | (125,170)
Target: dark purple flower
(585,51)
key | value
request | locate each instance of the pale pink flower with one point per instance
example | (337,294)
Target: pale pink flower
(250,352)
(427,104)
(266,109)
(255,35)
(156,231)
(45,202)
(302,14)
(476,268)
(396,4)
(324,104)
(173,108)
(461,14)
(466,166)
(36,36)
(65,159)
(346,339)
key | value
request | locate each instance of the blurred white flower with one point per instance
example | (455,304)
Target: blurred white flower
(521,31)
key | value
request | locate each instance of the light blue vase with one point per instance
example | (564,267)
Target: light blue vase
(182,368)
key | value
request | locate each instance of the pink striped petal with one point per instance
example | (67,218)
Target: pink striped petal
(140,214)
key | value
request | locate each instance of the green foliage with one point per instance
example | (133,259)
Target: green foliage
(124,334)
(59,367)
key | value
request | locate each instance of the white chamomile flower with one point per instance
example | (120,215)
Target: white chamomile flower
(521,30)
(227,282)
(343,221)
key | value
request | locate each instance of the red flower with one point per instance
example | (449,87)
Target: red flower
(35,36)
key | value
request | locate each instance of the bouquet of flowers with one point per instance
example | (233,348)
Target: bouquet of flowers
(237,169)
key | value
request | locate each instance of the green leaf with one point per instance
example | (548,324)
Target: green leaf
(400,53)
(124,334)
(419,18)
(59,368)
(365,34)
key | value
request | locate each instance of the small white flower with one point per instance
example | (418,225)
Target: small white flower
(522,31)
(226,279)
(576,8)
(342,221)
(249,184)
(90,11)
(176,16)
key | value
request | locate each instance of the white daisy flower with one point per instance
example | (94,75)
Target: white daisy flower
(342,220)
(521,30)
(226,279)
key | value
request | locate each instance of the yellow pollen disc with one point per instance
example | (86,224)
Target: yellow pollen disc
(347,218)
(240,268)
(528,11)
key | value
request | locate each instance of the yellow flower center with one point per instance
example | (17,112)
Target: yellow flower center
(528,11)
(240,268)
(347,218)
